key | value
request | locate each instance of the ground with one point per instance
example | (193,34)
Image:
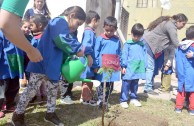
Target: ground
(155,111)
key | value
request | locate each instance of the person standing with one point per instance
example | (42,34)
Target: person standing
(40,7)
(161,33)
(133,66)
(184,57)
(58,39)
(88,42)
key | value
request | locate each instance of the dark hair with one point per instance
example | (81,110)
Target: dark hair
(178,17)
(159,20)
(110,21)
(90,15)
(39,18)
(137,29)
(190,32)
(79,12)
(45,7)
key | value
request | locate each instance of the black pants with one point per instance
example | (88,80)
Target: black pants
(8,90)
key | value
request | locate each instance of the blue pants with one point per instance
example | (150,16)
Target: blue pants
(129,86)
(149,72)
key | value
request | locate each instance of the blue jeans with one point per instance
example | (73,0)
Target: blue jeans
(129,86)
(149,73)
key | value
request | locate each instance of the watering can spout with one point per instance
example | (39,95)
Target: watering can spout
(96,83)
(72,69)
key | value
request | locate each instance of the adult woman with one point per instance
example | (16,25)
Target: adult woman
(40,7)
(162,33)
(10,15)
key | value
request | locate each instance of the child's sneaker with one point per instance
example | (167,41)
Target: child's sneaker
(90,102)
(124,105)
(67,100)
(52,118)
(177,110)
(135,102)
(81,100)
(191,112)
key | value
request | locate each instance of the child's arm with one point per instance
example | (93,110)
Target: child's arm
(87,43)
(124,55)
(69,45)
(97,50)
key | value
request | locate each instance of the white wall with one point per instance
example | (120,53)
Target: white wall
(56,7)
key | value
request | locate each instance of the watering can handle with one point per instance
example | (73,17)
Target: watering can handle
(86,63)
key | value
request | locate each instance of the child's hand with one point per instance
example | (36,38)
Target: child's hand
(189,54)
(90,60)
(166,68)
(80,54)
(96,70)
(123,71)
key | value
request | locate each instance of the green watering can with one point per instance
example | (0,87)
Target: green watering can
(72,70)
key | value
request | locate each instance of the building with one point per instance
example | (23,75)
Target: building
(145,11)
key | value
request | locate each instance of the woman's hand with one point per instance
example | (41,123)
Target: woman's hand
(189,54)
(34,55)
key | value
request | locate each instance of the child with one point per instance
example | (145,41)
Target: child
(55,41)
(40,7)
(167,69)
(107,46)
(38,23)
(11,69)
(65,87)
(25,27)
(133,66)
(88,41)
(185,71)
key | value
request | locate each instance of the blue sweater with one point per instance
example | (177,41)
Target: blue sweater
(11,59)
(54,43)
(133,59)
(106,45)
(88,42)
(185,69)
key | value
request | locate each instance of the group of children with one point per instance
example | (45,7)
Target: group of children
(57,40)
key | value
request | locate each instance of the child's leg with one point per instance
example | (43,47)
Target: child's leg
(109,89)
(124,97)
(43,88)
(34,83)
(51,96)
(191,101)
(133,89)
(69,90)
(180,98)
(3,84)
(63,88)
(11,92)
(166,82)
(86,91)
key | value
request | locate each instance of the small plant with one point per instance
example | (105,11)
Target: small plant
(108,72)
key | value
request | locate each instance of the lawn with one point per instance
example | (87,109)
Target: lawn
(153,112)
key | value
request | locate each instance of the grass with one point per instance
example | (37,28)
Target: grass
(151,112)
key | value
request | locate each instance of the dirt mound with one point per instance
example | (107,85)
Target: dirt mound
(124,117)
